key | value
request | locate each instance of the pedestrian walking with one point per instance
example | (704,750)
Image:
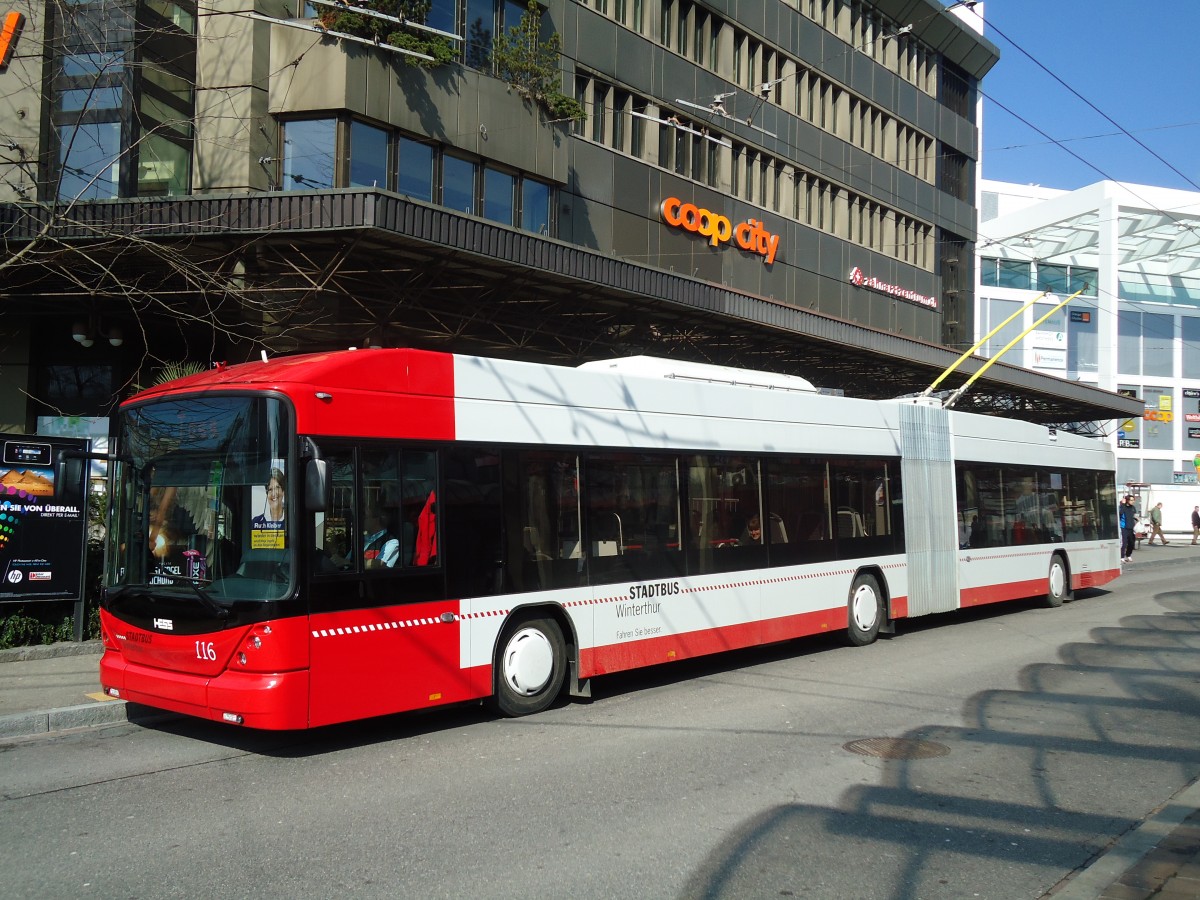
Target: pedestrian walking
(1156,526)
(1126,513)
(1195,523)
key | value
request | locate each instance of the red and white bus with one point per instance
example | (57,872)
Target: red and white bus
(326,537)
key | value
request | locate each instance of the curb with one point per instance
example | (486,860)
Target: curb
(51,651)
(43,721)
(1130,849)
(86,715)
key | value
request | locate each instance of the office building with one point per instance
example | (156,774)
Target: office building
(787,185)
(1132,252)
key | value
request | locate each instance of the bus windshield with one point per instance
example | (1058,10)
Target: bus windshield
(199,501)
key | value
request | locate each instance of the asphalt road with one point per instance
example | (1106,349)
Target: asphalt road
(1032,739)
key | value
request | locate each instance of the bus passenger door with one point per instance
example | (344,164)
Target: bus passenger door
(384,636)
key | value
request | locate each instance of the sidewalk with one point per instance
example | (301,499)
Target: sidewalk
(56,687)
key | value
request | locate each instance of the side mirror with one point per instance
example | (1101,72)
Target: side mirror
(68,477)
(316,481)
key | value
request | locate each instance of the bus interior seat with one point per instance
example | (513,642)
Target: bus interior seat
(532,539)
(778,532)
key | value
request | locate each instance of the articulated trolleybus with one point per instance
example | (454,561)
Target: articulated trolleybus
(326,537)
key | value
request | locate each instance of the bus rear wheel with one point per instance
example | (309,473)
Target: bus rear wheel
(531,667)
(866,611)
(1058,587)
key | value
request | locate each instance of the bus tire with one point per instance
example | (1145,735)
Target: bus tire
(531,667)
(865,611)
(1058,582)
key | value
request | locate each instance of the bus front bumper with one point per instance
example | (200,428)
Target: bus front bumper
(270,700)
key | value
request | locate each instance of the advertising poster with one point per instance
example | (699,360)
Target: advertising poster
(42,538)
(267,528)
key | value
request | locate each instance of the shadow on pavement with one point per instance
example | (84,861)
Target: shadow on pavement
(1078,753)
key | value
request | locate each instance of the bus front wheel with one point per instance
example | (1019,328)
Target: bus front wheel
(866,611)
(1058,588)
(531,666)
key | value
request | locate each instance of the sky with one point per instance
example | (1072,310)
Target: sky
(1135,62)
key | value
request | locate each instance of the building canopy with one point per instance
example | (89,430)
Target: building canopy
(331,269)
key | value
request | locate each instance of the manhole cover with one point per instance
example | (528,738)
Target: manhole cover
(896,748)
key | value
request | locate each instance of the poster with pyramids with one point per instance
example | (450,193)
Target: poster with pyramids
(42,534)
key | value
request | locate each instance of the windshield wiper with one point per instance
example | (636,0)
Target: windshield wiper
(213,606)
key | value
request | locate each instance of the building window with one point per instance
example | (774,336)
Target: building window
(1158,435)
(599,102)
(164,166)
(368,156)
(997,311)
(956,175)
(1080,279)
(76,390)
(513,12)
(535,206)
(1129,342)
(955,93)
(1158,345)
(443,15)
(637,128)
(91,98)
(1082,349)
(1052,278)
(309,147)
(458,184)
(165,103)
(1013,273)
(480,26)
(1190,338)
(415,178)
(498,196)
(90,161)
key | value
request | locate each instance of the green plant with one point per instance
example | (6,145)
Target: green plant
(390,32)
(19,630)
(48,625)
(180,369)
(531,65)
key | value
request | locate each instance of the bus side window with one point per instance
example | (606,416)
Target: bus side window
(334,529)
(632,507)
(725,516)
(379,513)
(418,516)
(544,542)
(799,517)
(470,547)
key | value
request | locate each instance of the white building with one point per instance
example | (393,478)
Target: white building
(1134,251)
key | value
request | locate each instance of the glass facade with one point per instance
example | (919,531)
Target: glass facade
(336,152)
(1023,274)
(122,100)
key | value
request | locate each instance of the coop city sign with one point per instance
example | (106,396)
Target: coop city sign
(10,30)
(751,235)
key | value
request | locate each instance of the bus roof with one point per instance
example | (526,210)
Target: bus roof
(351,368)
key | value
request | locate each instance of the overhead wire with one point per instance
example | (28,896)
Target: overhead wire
(1123,130)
